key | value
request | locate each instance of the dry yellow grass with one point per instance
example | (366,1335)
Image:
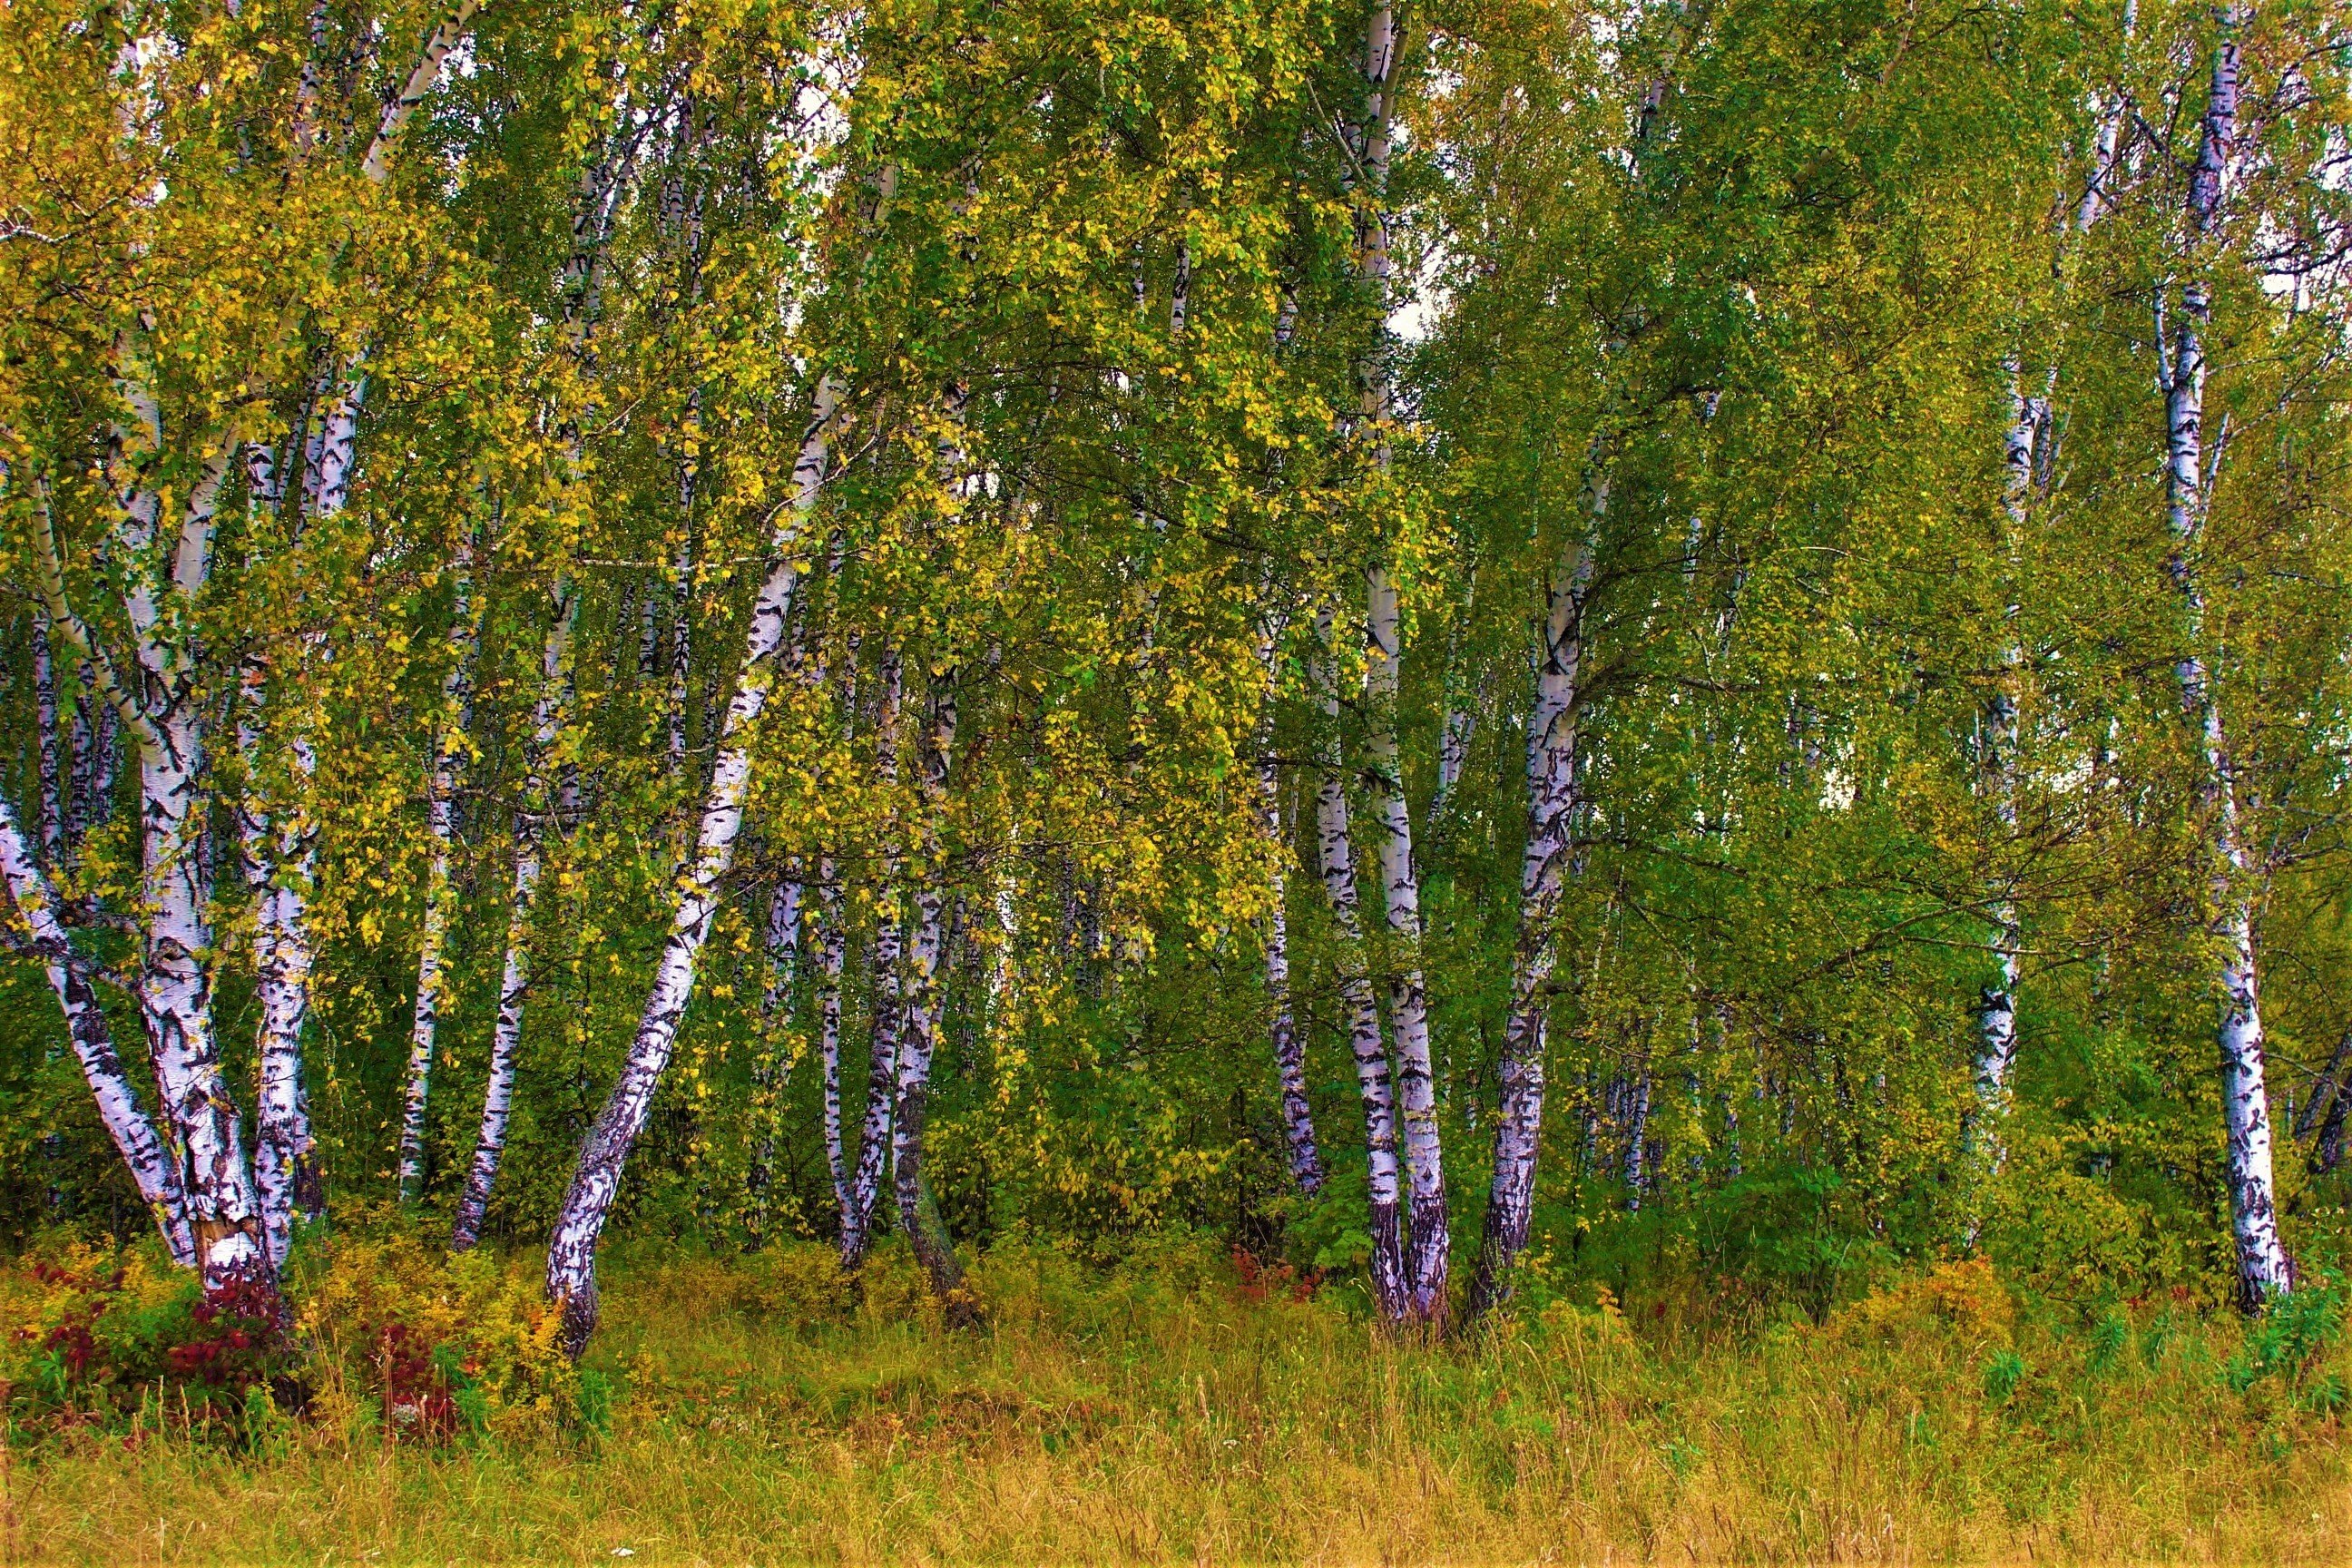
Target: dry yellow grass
(1148,1415)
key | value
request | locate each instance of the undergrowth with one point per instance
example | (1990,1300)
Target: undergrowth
(1187,1404)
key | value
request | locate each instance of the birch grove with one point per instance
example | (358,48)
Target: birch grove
(1331,628)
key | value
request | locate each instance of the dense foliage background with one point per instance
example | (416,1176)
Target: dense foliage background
(1802,365)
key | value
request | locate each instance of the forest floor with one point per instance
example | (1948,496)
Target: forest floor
(1175,1409)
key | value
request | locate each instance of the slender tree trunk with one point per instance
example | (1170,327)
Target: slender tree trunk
(52,824)
(571,1251)
(1390,1277)
(1289,1052)
(1637,1134)
(532,824)
(1430,1242)
(889,1003)
(681,647)
(2264,1268)
(81,802)
(783,945)
(441,805)
(279,857)
(833,939)
(2323,1106)
(224,1209)
(782,948)
(150,1162)
(917,1214)
(1552,738)
(281,867)
(1997,1004)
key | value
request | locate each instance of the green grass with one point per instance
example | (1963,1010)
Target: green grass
(1149,1414)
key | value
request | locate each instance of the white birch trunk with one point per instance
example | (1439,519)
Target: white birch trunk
(441,825)
(49,743)
(885,963)
(531,823)
(279,857)
(832,940)
(150,1162)
(224,1209)
(2264,1267)
(917,1214)
(419,83)
(784,946)
(1552,737)
(2097,198)
(1997,1003)
(1637,1134)
(681,651)
(92,716)
(768,1074)
(571,1250)
(1289,1054)
(1430,1244)
(1390,1280)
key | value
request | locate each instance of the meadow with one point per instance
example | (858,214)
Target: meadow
(1188,1406)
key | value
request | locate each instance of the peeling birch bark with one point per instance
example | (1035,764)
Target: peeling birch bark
(150,1162)
(175,1000)
(571,1250)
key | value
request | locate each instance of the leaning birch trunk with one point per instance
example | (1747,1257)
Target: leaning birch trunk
(150,1162)
(531,823)
(224,1209)
(1392,1285)
(917,1214)
(206,1139)
(1431,1246)
(441,806)
(571,1250)
(882,1062)
(2264,1268)
(1552,739)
